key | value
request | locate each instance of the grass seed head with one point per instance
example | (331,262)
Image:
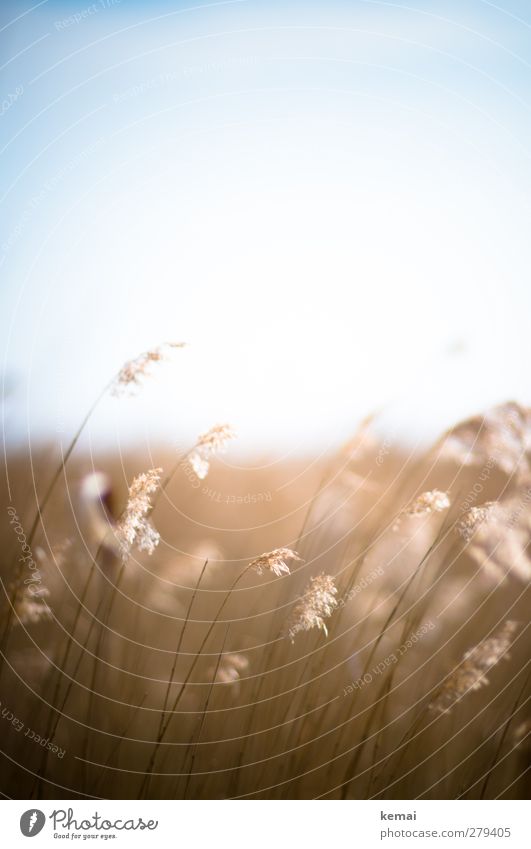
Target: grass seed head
(473,519)
(134,528)
(471,674)
(213,442)
(134,372)
(433,501)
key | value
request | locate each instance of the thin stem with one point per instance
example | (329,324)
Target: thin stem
(178,649)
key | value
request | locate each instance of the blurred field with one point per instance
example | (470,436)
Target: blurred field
(174,679)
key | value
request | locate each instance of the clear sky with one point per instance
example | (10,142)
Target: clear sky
(329,201)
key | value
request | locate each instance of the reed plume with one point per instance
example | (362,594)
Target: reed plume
(31,604)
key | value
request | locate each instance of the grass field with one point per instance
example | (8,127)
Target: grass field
(345,626)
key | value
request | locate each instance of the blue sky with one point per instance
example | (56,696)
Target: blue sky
(327,201)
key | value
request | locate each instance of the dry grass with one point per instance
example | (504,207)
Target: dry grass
(169,671)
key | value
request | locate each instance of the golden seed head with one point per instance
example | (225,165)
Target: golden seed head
(214,441)
(274,561)
(433,501)
(471,674)
(317,604)
(473,519)
(134,528)
(133,372)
